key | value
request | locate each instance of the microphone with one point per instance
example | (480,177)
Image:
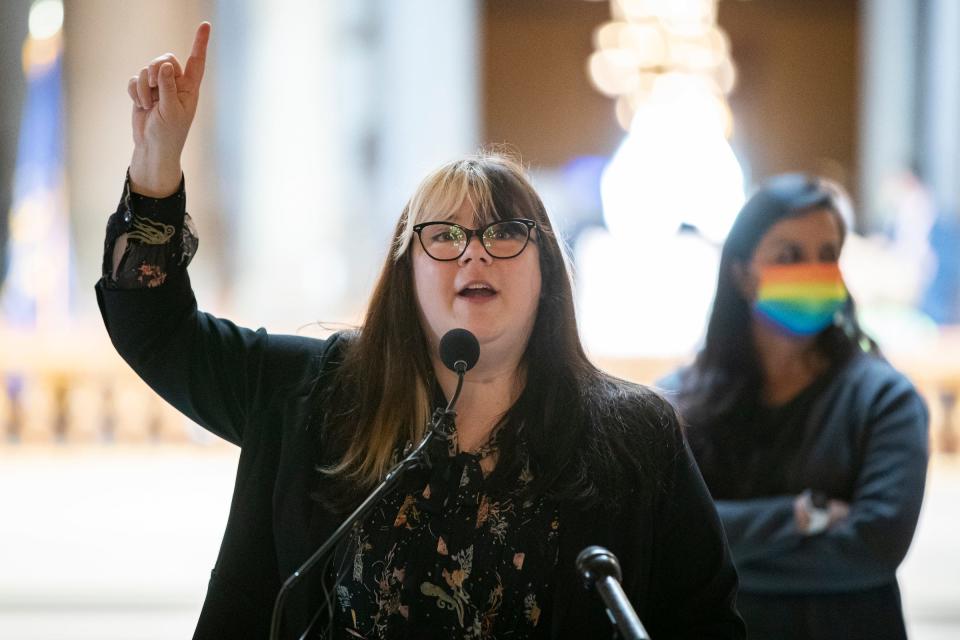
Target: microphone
(459,350)
(599,568)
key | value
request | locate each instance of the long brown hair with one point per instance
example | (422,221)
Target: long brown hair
(382,396)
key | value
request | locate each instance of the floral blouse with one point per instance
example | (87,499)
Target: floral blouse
(147,239)
(450,559)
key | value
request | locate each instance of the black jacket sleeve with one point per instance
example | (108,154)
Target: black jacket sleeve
(216,373)
(693,584)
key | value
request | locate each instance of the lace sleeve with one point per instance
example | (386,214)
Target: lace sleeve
(147,240)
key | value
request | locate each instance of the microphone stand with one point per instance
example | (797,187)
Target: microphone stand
(600,568)
(416,458)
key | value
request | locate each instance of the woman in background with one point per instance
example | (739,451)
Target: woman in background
(814,448)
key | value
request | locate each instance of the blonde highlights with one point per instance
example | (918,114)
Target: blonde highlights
(441,194)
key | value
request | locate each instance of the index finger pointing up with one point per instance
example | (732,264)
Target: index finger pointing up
(198,55)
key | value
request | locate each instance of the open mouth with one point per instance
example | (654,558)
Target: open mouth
(477,290)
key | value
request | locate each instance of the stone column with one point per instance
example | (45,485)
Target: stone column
(940,115)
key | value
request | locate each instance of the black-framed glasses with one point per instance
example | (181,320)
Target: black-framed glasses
(501,239)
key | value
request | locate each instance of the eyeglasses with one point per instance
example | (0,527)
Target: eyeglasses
(501,239)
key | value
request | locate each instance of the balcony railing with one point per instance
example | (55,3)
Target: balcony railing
(71,387)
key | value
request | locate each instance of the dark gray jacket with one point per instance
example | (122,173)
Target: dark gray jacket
(865,442)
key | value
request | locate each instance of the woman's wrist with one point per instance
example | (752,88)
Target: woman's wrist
(153,176)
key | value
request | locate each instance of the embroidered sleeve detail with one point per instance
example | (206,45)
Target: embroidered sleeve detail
(146,231)
(147,240)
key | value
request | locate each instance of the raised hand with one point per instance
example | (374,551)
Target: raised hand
(165,97)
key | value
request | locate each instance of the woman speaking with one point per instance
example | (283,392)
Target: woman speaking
(548,455)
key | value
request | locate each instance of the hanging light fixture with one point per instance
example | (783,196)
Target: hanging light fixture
(649,41)
(667,65)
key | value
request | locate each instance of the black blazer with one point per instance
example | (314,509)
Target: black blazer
(256,390)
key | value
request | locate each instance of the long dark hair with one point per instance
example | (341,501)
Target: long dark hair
(571,420)
(725,380)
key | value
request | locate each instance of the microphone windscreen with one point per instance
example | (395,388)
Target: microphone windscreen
(459,345)
(596,562)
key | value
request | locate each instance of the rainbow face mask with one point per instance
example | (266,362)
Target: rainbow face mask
(800,299)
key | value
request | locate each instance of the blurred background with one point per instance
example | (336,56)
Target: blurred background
(644,123)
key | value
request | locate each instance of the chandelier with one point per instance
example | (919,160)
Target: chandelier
(664,51)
